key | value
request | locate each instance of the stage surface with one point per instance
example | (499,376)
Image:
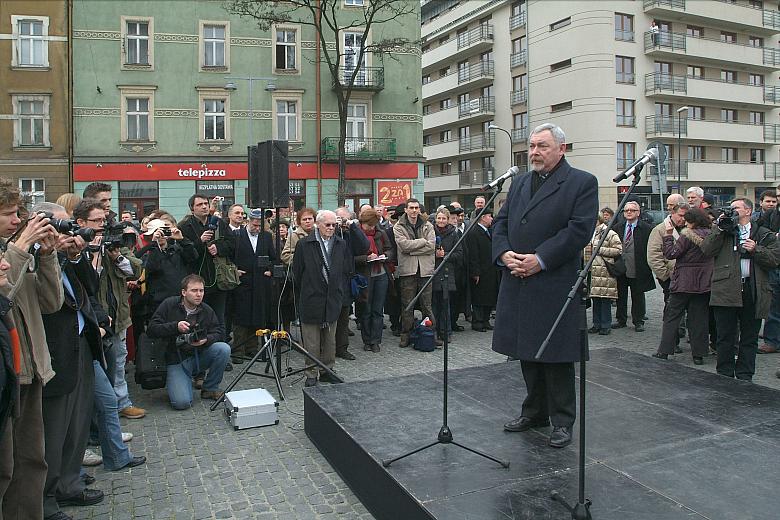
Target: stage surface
(664,442)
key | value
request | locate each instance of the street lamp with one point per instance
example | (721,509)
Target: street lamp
(679,148)
(491,126)
(232,87)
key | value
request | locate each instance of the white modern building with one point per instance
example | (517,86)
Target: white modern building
(699,77)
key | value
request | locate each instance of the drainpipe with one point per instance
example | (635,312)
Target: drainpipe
(69,100)
(318,98)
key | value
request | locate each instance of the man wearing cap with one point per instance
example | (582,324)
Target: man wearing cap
(255,256)
(482,272)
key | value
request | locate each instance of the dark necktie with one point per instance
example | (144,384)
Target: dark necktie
(629,233)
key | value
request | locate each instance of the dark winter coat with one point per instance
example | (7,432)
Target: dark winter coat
(165,269)
(644,280)
(165,325)
(357,245)
(9,383)
(692,268)
(253,306)
(384,246)
(446,239)
(555,223)
(320,300)
(479,245)
(192,228)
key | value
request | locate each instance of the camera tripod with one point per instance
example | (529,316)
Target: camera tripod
(272,338)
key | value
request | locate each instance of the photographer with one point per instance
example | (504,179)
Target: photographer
(37,291)
(348,229)
(195,344)
(744,254)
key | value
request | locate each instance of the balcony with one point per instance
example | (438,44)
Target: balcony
(477,143)
(695,89)
(518,59)
(366,79)
(478,72)
(519,135)
(772,171)
(519,97)
(479,108)
(473,178)
(709,50)
(360,149)
(442,86)
(442,150)
(736,15)
(442,118)
(464,45)
(516,21)
(712,130)
(726,171)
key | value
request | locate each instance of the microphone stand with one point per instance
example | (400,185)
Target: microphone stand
(581,510)
(445,434)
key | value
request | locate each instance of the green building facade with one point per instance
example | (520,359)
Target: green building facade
(162,105)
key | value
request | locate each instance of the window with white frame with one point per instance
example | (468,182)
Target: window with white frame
(357,127)
(32,191)
(137,43)
(31,35)
(287,120)
(354,3)
(286,49)
(31,115)
(353,41)
(137,113)
(214,119)
(214,45)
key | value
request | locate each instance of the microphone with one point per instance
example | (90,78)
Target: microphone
(650,155)
(511,172)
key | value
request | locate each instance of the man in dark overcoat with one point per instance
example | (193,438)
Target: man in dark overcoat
(538,238)
(254,305)
(482,271)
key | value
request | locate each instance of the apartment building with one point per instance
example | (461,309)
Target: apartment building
(169,94)
(34,99)
(699,78)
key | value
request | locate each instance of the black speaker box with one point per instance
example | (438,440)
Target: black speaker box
(269,175)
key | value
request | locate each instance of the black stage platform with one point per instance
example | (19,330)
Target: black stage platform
(664,442)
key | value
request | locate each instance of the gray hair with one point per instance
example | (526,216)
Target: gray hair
(747,202)
(682,205)
(557,132)
(48,206)
(679,199)
(635,203)
(695,189)
(321,214)
(344,209)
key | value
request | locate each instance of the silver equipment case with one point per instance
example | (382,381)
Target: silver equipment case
(251,408)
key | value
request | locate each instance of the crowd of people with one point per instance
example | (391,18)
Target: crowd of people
(82,288)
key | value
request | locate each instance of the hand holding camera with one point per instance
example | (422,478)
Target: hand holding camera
(38,230)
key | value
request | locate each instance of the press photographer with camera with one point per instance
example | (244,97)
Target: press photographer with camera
(744,253)
(168,258)
(194,335)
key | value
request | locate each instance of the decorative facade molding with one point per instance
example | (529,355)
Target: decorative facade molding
(244,114)
(406,118)
(138,147)
(95,112)
(324,115)
(97,35)
(176,38)
(214,147)
(250,42)
(176,112)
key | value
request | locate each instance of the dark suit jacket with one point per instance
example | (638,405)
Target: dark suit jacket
(555,223)
(645,280)
(320,301)
(254,296)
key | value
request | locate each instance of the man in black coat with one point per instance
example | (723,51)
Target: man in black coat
(538,238)
(254,309)
(321,266)
(634,233)
(483,273)
(357,245)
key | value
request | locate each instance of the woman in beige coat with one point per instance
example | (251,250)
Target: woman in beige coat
(603,286)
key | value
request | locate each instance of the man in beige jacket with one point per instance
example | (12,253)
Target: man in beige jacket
(38,290)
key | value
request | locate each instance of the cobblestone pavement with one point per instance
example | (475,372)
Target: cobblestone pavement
(198,467)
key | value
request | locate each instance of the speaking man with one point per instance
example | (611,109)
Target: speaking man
(538,238)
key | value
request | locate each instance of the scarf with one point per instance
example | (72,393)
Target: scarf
(325,254)
(376,267)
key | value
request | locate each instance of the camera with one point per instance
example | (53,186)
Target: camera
(188,338)
(727,221)
(69,227)
(117,235)
(167,231)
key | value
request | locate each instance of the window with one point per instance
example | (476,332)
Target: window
(624,69)
(464,165)
(755,79)
(140,197)
(445,104)
(519,44)
(728,155)
(214,114)
(31,118)
(464,132)
(30,41)
(427,140)
(664,67)
(445,168)
(352,43)
(757,155)
(463,98)
(137,43)
(696,112)
(426,48)
(625,154)
(426,79)
(624,112)
(137,111)
(729,76)
(444,72)
(560,65)
(354,3)
(215,52)
(663,110)
(32,191)
(520,121)
(426,109)
(445,135)
(696,153)
(728,115)
(520,82)
(756,118)
(357,126)
(728,37)
(624,27)
(755,41)
(285,49)
(694,71)
(559,107)
(286,128)
(444,39)
(560,23)
(694,31)
(756,4)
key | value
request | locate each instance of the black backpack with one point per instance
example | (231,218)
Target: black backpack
(151,370)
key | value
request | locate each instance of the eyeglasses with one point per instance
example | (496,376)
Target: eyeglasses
(97,220)
(630,210)
(327,224)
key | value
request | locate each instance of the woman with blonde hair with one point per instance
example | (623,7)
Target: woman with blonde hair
(68,201)
(603,286)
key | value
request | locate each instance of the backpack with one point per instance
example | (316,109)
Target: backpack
(422,338)
(151,371)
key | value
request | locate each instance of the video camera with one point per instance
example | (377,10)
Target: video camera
(727,222)
(68,227)
(118,235)
(188,338)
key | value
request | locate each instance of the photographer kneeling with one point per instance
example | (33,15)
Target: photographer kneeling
(194,335)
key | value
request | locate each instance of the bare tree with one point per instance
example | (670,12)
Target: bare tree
(329,21)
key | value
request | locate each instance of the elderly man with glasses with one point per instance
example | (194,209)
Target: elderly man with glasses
(634,233)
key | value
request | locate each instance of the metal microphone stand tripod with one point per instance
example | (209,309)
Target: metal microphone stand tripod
(581,510)
(445,434)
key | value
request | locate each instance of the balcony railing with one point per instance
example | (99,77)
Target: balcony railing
(771,19)
(481,105)
(518,59)
(665,40)
(656,81)
(475,177)
(771,171)
(772,132)
(674,4)
(519,135)
(367,78)
(771,94)
(482,69)
(519,97)
(483,33)
(517,20)
(771,56)
(655,125)
(360,149)
(476,143)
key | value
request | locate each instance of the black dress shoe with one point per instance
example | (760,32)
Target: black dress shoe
(619,325)
(327,378)
(88,479)
(457,328)
(522,424)
(478,329)
(134,461)
(229,367)
(88,497)
(560,437)
(346,355)
(350,333)
(59,515)
(593,330)
(639,327)
(658,355)
(677,349)
(489,326)
(697,360)
(310,381)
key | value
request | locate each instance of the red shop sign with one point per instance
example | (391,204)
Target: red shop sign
(393,193)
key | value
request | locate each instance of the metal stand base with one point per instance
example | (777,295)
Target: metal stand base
(581,511)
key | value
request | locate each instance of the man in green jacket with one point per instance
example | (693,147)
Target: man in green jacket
(744,254)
